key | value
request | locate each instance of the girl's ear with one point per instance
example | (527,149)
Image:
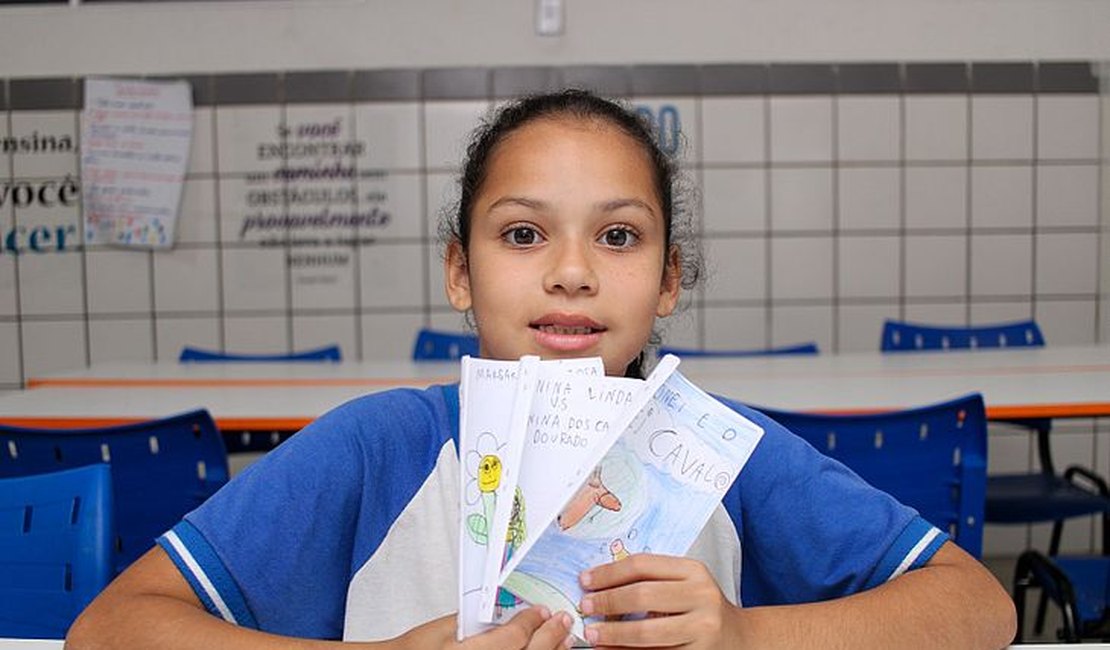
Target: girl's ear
(456,276)
(672,283)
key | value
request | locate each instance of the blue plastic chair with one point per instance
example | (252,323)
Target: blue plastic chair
(932,458)
(1080,587)
(190,354)
(899,336)
(436,345)
(800,349)
(161,469)
(1015,498)
(56,534)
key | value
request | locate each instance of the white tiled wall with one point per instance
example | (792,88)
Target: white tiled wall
(821,215)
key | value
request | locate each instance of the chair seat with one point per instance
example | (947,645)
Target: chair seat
(1090,579)
(1022,498)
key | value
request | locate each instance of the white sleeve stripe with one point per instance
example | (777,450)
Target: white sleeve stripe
(914,553)
(202,578)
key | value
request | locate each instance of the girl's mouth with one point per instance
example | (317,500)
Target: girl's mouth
(566,332)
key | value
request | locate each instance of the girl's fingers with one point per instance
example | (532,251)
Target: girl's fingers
(662,632)
(553,634)
(514,635)
(641,566)
(671,597)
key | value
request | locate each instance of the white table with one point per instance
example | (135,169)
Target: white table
(1016,383)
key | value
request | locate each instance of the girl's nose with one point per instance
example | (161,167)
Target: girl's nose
(572,270)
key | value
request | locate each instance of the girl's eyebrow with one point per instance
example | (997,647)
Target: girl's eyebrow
(617,204)
(611,205)
(533,204)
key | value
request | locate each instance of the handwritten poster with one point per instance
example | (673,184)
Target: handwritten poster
(135,139)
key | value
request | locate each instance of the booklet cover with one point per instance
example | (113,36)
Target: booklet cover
(651,487)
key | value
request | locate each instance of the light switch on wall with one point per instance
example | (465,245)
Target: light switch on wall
(549,17)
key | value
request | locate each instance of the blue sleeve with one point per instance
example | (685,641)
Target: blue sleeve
(811,529)
(276,548)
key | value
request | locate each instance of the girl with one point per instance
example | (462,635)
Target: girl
(564,245)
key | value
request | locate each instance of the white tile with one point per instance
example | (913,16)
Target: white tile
(801,199)
(1001,265)
(256,334)
(733,130)
(1102,450)
(1002,127)
(50,284)
(1066,263)
(10,369)
(1067,127)
(869,127)
(393,206)
(736,269)
(860,327)
(42,227)
(801,129)
(734,200)
(202,157)
(994,311)
(118,281)
(254,278)
(682,329)
(1067,195)
(121,340)
(1005,540)
(792,325)
(936,127)
(173,334)
(49,143)
(1002,197)
(801,267)
(870,267)
(676,126)
(390,132)
(1067,322)
(393,275)
(945,313)
(437,291)
(447,129)
(936,197)
(1076,537)
(315,331)
(869,198)
(186,279)
(248,139)
(247,213)
(53,345)
(441,200)
(7,286)
(1010,449)
(390,336)
(936,266)
(736,328)
(196,218)
(321,134)
(322,277)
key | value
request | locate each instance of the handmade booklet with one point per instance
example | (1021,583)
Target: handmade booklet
(597,468)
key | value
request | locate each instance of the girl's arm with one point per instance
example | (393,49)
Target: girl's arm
(152,606)
(951,602)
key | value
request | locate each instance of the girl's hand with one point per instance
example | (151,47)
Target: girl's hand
(685,607)
(532,629)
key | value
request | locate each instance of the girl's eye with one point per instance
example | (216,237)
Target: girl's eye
(522,236)
(619,238)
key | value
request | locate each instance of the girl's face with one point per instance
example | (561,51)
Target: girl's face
(567,246)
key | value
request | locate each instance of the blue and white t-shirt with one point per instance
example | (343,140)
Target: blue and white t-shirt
(350,528)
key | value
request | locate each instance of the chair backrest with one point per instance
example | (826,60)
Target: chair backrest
(190,354)
(931,458)
(899,336)
(435,345)
(161,469)
(56,533)
(801,348)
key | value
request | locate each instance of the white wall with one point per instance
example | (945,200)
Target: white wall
(286,35)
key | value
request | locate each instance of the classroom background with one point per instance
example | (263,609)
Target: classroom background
(847,162)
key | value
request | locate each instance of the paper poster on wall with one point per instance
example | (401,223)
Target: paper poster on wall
(135,139)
